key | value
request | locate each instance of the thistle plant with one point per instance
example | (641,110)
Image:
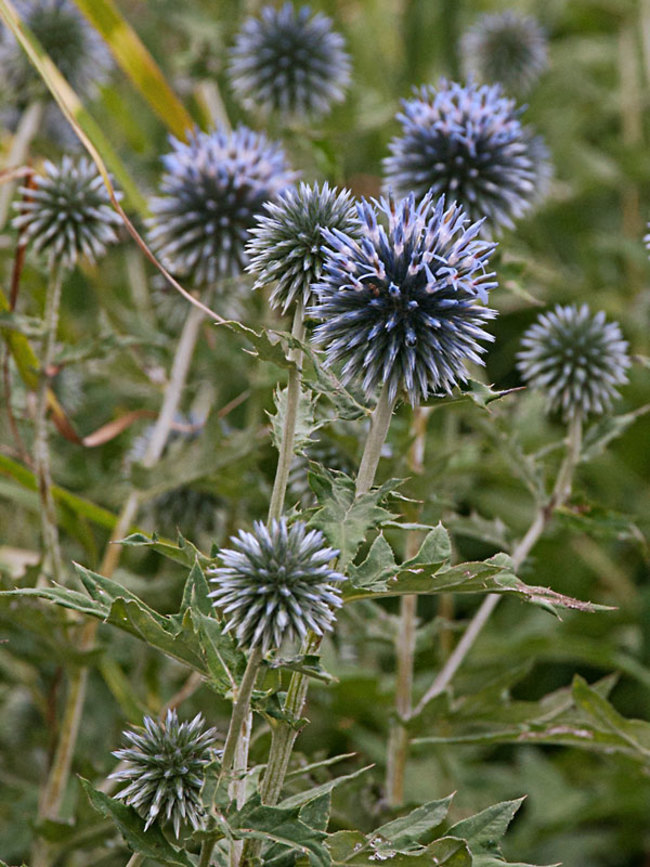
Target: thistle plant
(506,48)
(164,768)
(213,188)
(576,358)
(286,249)
(404,306)
(468,143)
(276,584)
(67,213)
(289,61)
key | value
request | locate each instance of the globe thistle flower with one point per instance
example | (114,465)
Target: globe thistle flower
(212,189)
(276,583)
(74,47)
(508,48)
(290,62)
(67,213)
(187,510)
(469,144)
(400,306)
(576,358)
(164,768)
(286,245)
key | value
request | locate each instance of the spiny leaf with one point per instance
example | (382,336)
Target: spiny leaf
(485,830)
(407,830)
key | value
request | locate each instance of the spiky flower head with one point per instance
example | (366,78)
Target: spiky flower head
(468,143)
(576,358)
(72,44)
(275,583)
(400,306)
(506,47)
(164,768)
(214,186)
(289,61)
(67,213)
(286,249)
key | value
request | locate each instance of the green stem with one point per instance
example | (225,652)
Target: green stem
(136,860)
(285,456)
(544,513)
(49,527)
(379,424)
(240,710)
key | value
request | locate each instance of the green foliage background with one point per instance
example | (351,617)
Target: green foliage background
(588,797)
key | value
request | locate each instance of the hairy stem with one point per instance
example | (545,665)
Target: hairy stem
(240,710)
(397,753)
(543,515)
(379,424)
(49,528)
(27,128)
(285,456)
(60,770)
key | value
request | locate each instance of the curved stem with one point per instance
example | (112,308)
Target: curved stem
(49,527)
(379,424)
(285,456)
(561,492)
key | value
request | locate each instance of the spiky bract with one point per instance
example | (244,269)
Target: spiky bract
(576,358)
(468,143)
(287,240)
(67,213)
(165,768)
(289,61)
(400,305)
(212,189)
(72,44)
(508,48)
(275,584)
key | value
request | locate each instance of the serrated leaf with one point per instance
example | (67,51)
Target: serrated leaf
(435,548)
(353,849)
(306,797)
(407,830)
(596,521)
(150,843)
(183,552)
(485,830)
(449,852)
(377,569)
(343,517)
(308,664)
(305,421)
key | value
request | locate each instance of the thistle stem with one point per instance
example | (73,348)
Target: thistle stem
(49,527)
(240,710)
(135,860)
(561,492)
(379,424)
(397,753)
(59,772)
(285,456)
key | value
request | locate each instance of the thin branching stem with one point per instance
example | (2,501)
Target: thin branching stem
(544,513)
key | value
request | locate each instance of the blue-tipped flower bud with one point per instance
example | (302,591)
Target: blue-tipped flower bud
(405,305)
(290,62)
(276,584)
(576,358)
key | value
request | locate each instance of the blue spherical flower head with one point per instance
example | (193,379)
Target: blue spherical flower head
(276,583)
(405,304)
(286,248)
(576,358)
(508,48)
(289,61)
(213,188)
(467,143)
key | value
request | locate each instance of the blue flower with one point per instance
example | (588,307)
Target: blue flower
(213,188)
(290,62)
(508,48)
(67,212)
(276,583)
(286,249)
(576,358)
(468,144)
(400,306)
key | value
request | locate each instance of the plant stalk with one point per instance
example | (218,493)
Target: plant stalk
(135,860)
(27,128)
(240,710)
(379,424)
(560,494)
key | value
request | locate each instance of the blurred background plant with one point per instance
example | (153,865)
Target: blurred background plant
(491,735)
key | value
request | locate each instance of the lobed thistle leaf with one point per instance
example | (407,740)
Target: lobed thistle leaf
(508,48)
(275,584)
(212,189)
(67,213)
(576,358)
(290,62)
(286,249)
(165,764)
(400,305)
(467,143)
(74,47)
